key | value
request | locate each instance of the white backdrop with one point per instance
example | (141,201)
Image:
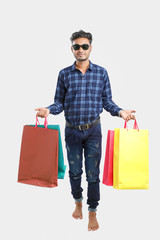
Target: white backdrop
(34,47)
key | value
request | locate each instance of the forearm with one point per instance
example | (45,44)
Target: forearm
(58,105)
(108,103)
(111,107)
(55,108)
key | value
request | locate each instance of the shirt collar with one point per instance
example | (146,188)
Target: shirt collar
(73,67)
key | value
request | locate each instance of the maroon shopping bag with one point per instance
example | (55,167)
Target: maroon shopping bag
(108,163)
(38,163)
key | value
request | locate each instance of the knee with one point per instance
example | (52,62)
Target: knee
(75,174)
(92,177)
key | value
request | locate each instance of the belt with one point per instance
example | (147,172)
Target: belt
(84,126)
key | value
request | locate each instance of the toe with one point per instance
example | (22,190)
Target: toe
(74,216)
(95,228)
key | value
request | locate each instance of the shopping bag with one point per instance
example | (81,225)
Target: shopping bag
(38,163)
(61,166)
(108,163)
(131,161)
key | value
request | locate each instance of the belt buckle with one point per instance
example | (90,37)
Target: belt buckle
(87,126)
(80,127)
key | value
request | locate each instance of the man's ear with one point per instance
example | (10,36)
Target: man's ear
(71,48)
(91,47)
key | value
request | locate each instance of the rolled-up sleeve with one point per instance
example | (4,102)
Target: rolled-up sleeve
(108,103)
(58,105)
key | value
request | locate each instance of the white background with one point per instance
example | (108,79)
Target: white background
(34,47)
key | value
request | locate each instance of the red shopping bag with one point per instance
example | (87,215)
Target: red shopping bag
(108,163)
(38,163)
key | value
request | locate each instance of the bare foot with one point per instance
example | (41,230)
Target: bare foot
(78,211)
(93,224)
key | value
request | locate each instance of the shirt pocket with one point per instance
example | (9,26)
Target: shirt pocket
(95,88)
(90,87)
(95,92)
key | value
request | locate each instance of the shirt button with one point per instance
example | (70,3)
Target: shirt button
(82,98)
(82,88)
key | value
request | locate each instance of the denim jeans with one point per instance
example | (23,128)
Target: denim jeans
(87,142)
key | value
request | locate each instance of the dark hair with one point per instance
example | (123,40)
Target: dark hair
(81,34)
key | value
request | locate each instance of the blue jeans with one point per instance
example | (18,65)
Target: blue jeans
(90,141)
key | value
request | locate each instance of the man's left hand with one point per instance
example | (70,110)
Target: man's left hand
(127,114)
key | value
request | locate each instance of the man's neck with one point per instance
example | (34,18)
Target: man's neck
(82,65)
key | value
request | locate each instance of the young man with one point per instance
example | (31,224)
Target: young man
(83,90)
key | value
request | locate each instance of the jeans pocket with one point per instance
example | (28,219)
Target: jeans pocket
(70,135)
(97,130)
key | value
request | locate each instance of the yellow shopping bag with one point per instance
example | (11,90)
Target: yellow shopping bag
(131,161)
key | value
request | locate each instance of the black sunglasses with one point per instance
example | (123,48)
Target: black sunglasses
(83,46)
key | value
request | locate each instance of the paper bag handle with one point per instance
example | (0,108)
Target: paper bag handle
(134,127)
(45,122)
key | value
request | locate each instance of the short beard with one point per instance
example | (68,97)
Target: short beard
(81,60)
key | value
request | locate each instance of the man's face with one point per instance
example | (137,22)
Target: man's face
(81,54)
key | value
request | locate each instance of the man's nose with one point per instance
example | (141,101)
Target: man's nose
(81,49)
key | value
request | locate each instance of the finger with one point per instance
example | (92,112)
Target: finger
(133,117)
(129,117)
(125,117)
(38,114)
(37,109)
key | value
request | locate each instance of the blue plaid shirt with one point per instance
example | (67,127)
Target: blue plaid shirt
(83,97)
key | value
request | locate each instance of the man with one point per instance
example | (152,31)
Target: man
(83,90)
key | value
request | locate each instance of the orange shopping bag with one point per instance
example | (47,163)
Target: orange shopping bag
(38,164)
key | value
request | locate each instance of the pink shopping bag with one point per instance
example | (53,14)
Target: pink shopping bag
(108,163)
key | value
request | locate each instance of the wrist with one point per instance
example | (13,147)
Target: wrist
(48,110)
(119,113)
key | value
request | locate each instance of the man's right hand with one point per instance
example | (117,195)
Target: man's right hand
(42,112)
